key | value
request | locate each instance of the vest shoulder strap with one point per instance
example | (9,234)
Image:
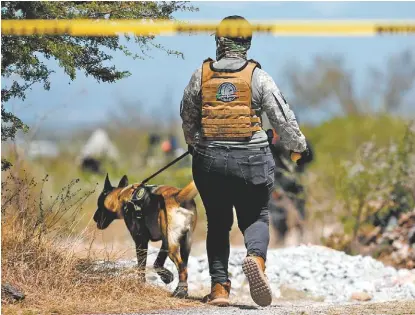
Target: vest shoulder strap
(208,60)
(207,73)
(256,62)
(246,73)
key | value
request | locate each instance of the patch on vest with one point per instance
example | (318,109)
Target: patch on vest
(226,92)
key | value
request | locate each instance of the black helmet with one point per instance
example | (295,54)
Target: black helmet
(224,24)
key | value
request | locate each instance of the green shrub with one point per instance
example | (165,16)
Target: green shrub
(366,168)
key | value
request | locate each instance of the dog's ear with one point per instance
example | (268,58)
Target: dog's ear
(123,182)
(107,184)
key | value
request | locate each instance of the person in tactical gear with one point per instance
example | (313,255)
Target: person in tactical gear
(232,163)
(287,184)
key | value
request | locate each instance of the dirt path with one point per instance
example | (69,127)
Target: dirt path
(302,278)
(302,308)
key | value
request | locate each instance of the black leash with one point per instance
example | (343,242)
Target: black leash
(165,167)
(139,192)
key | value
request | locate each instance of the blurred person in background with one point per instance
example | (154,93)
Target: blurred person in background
(169,147)
(97,150)
(287,203)
(232,162)
(152,140)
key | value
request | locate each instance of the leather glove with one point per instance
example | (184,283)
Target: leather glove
(302,158)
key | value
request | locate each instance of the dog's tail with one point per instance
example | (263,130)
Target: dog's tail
(187,193)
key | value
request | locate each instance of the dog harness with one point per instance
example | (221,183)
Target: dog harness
(137,201)
(226,103)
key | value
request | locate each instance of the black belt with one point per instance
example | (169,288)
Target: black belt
(228,148)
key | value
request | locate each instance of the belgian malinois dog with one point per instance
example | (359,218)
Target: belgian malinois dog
(153,213)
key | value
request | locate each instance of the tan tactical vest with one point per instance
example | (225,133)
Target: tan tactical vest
(226,103)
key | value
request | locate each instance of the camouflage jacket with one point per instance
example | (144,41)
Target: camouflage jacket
(266,97)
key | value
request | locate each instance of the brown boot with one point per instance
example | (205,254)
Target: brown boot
(254,269)
(219,295)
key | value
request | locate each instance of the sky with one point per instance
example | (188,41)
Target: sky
(158,83)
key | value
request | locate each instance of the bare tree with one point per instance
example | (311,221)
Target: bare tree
(327,81)
(395,81)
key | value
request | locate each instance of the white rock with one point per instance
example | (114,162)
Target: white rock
(314,269)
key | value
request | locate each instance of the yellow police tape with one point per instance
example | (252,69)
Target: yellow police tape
(234,28)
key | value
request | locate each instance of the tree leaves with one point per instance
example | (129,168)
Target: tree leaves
(22,55)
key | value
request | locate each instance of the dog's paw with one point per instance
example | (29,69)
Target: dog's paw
(165,275)
(142,278)
(181,292)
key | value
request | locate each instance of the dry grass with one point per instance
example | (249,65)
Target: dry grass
(39,256)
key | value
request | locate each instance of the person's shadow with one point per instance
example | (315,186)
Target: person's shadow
(240,306)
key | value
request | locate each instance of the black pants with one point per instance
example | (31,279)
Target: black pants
(228,178)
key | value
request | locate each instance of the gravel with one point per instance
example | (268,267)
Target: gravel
(300,308)
(315,271)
